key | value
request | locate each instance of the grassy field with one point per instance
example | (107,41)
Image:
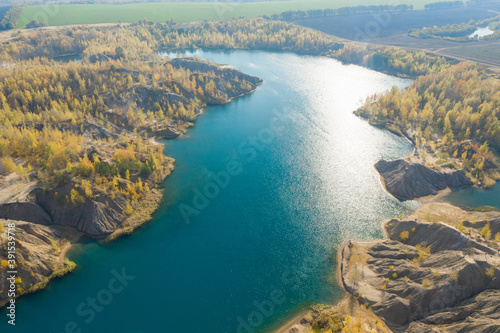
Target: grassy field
(180,11)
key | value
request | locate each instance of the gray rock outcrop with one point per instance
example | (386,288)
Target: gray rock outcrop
(98,57)
(24,211)
(427,275)
(203,67)
(407,180)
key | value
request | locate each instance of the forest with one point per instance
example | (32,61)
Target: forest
(122,88)
(264,34)
(452,114)
(47,103)
(83,130)
(302,14)
(88,123)
(142,39)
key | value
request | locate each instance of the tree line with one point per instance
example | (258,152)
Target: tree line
(142,39)
(9,21)
(314,13)
(88,123)
(444,5)
(445,109)
(459,32)
(132,82)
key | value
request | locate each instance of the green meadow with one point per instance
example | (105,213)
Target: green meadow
(180,11)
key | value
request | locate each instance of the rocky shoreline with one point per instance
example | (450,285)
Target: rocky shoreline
(49,221)
(407,180)
(438,269)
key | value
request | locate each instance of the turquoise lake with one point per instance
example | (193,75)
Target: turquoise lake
(476,197)
(263,247)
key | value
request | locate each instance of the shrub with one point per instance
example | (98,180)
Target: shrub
(105,169)
(146,169)
(54,245)
(486,232)
(8,164)
(490,272)
(426,283)
(427,217)
(461,227)
(394,276)
(59,176)
(404,236)
(76,198)
(87,188)
(488,182)
(128,210)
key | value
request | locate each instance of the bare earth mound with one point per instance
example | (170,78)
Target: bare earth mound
(426,275)
(407,180)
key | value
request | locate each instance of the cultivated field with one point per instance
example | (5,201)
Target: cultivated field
(392,29)
(365,27)
(180,11)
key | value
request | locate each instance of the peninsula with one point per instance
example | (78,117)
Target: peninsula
(79,142)
(81,156)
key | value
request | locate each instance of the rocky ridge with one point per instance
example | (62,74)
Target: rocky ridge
(429,274)
(49,219)
(408,180)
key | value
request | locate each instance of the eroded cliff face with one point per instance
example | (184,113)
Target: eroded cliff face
(112,194)
(430,274)
(227,83)
(40,256)
(408,180)
(223,71)
(47,222)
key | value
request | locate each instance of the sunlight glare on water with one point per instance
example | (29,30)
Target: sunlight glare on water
(312,187)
